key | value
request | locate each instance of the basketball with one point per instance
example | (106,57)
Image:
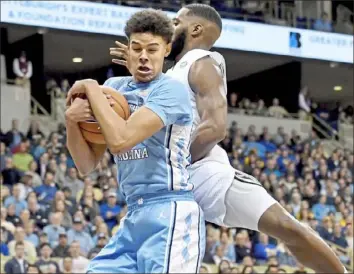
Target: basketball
(91,130)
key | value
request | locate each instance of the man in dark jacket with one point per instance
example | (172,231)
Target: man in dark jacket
(9,173)
(241,249)
(62,249)
(14,136)
(18,264)
(101,242)
(45,262)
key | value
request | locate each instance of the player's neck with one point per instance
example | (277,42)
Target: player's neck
(187,49)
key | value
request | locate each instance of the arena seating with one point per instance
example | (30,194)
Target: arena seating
(288,164)
(245,150)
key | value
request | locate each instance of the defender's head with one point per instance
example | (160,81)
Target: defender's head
(150,33)
(196,26)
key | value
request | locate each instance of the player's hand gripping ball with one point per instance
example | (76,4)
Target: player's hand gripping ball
(91,130)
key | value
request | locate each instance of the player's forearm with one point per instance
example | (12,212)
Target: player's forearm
(206,137)
(82,154)
(112,126)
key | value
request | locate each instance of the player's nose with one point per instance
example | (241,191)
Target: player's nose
(143,57)
(143,60)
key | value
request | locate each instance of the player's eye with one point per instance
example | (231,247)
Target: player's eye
(152,50)
(137,49)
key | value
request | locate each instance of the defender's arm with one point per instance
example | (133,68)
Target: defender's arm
(206,80)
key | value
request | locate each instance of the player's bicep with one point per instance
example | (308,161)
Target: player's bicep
(207,82)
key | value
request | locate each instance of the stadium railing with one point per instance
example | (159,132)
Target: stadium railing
(36,107)
(346,134)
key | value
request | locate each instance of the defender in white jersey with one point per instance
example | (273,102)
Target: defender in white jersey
(212,175)
(227,196)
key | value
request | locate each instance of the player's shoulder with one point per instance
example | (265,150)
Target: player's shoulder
(213,59)
(168,82)
(170,87)
(191,56)
(117,82)
(218,57)
(169,79)
(194,52)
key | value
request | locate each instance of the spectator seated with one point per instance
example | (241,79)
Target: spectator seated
(323,24)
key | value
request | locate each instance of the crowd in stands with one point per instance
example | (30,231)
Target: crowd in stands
(257,11)
(59,85)
(314,187)
(246,106)
(343,24)
(47,209)
(59,91)
(306,107)
(54,221)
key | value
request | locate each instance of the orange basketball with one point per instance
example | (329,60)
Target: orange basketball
(91,129)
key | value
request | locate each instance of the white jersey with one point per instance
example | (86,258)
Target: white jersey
(213,175)
(181,71)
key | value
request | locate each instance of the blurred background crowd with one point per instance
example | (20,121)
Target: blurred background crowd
(48,210)
(281,130)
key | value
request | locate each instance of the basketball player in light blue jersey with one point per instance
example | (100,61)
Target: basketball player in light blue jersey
(163,231)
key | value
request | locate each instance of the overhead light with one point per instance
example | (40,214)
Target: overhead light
(42,31)
(337,88)
(77,60)
(333,64)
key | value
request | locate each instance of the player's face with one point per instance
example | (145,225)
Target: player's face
(180,23)
(146,56)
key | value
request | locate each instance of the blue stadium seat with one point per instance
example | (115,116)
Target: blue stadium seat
(312,23)
(233,13)
(301,22)
(256,18)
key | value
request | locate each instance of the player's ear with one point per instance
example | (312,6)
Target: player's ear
(197,30)
(168,49)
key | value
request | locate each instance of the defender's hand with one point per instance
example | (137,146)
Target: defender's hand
(121,51)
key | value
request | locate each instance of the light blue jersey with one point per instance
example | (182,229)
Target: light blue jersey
(158,164)
(164,229)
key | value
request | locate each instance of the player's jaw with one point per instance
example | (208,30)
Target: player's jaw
(143,73)
(144,70)
(178,44)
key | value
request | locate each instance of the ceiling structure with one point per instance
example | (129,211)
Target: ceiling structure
(321,78)
(61,46)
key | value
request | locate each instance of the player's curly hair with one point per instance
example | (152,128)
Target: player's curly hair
(151,21)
